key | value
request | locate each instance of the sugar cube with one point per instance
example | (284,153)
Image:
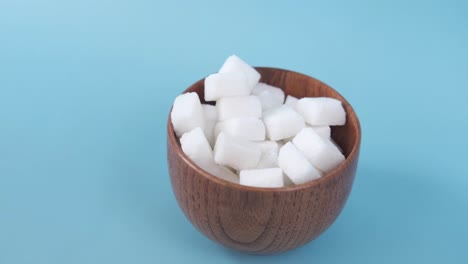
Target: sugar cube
(319,151)
(291,100)
(195,145)
(187,113)
(295,165)
(238,106)
(323,131)
(248,128)
(321,111)
(265,178)
(211,117)
(236,153)
(235,64)
(269,158)
(221,172)
(269,96)
(226,84)
(282,122)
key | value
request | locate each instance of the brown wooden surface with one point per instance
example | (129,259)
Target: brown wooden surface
(261,220)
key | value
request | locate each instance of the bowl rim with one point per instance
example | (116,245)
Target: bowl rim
(172,139)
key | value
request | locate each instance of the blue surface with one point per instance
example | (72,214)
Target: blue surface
(85,88)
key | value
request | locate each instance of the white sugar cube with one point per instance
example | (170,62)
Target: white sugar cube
(236,153)
(221,172)
(282,122)
(187,113)
(270,96)
(270,100)
(238,106)
(321,111)
(319,151)
(291,101)
(295,165)
(195,145)
(269,158)
(248,128)
(261,87)
(323,131)
(235,64)
(227,84)
(265,178)
(211,117)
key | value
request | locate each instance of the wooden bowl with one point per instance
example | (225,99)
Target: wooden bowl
(266,220)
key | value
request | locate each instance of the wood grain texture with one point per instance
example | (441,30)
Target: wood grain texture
(261,220)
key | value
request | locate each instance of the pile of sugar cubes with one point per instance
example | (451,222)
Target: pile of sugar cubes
(253,135)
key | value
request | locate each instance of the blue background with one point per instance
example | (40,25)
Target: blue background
(86,86)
